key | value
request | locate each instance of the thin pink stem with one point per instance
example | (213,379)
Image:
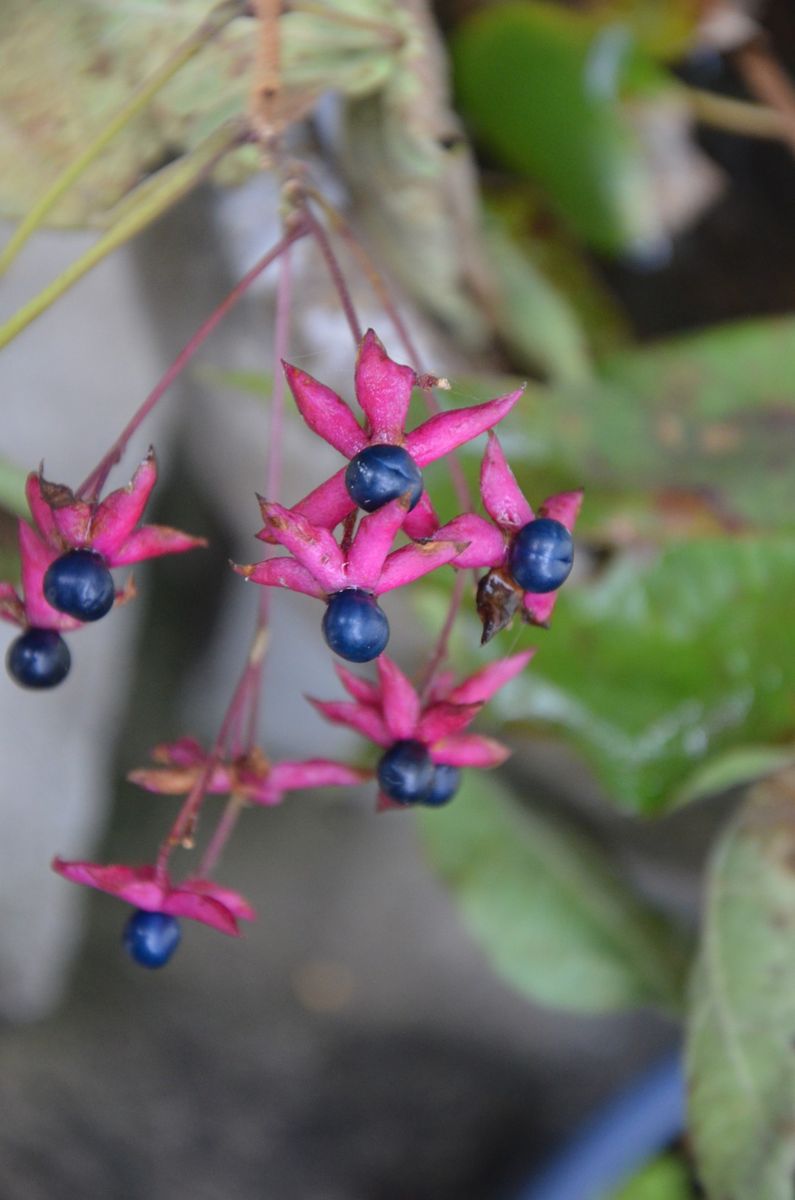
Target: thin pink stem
(220,837)
(443,642)
(92,486)
(335,271)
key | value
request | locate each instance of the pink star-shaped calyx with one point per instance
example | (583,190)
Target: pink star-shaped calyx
(383,389)
(108,527)
(146,888)
(31,609)
(489,542)
(250,776)
(392,711)
(319,567)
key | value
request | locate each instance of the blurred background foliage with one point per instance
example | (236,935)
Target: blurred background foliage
(624,239)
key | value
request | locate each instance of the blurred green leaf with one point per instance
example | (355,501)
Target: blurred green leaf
(546,907)
(666,1178)
(12,488)
(253,383)
(672,675)
(540,86)
(741,1028)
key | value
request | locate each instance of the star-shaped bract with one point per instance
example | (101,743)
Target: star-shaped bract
(143,887)
(319,567)
(110,526)
(391,711)
(251,776)
(490,541)
(383,389)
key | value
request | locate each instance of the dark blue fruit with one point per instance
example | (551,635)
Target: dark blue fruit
(79,583)
(38,658)
(150,938)
(354,626)
(406,772)
(381,473)
(541,555)
(446,781)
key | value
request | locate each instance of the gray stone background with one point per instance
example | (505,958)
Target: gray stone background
(354,1045)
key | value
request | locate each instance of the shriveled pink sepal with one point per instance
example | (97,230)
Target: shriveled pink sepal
(486,682)
(469,750)
(11,607)
(118,514)
(400,703)
(199,900)
(312,546)
(325,412)
(563,507)
(40,510)
(383,389)
(502,497)
(449,430)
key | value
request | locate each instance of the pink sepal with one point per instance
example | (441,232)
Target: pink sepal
(373,541)
(385,804)
(73,524)
(325,413)
(200,900)
(35,558)
(177,781)
(408,563)
(41,511)
(383,389)
(563,507)
(502,497)
(446,431)
(469,750)
(486,682)
(400,703)
(314,773)
(184,752)
(539,606)
(362,690)
(118,514)
(422,521)
(360,717)
(153,541)
(282,572)
(443,719)
(312,546)
(486,545)
(327,505)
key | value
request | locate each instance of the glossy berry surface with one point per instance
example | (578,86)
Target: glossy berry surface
(38,658)
(354,626)
(446,782)
(79,583)
(542,555)
(382,473)
(406,772)
(150,938)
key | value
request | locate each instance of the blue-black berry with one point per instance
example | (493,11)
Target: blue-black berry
(406,772)
(381,473)
(354,626)
(542,555)
(150,938)
(80,584)
(446,782)
(38,658)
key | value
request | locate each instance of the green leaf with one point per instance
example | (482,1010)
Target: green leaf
(741,1026)
(546,907)
(540,86)
(666,1178)
(672,675)
(12,488)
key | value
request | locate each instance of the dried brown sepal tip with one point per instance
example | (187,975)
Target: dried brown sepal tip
(497,601)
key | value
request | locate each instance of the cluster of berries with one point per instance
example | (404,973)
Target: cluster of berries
(422,736)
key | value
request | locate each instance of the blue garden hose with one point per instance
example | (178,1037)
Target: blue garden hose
(618,1140)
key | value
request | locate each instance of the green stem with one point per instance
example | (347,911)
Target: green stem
(148,202)
(216,20)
